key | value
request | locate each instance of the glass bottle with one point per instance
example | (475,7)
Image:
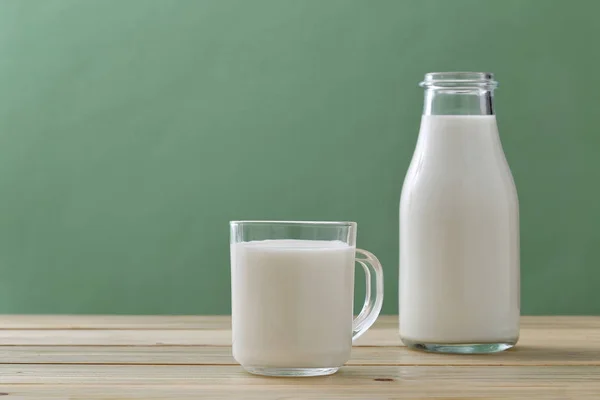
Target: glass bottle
(459,224)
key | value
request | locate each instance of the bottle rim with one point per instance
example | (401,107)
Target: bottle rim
(455,80)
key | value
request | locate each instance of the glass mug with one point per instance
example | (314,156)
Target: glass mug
(292,289)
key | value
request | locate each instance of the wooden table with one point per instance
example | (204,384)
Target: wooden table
(187,357)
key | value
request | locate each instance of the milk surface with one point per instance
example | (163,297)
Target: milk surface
(292,303)
(459,236)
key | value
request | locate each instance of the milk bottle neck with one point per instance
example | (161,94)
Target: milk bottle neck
(459,93)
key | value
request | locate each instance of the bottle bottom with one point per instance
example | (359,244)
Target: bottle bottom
(460,348)
(291,372)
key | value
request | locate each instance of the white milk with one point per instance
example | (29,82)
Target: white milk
(459,236)
(292,303)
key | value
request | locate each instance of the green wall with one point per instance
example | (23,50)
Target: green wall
(132,131)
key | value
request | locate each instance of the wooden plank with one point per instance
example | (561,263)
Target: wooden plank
(113,322)
(159,322)
(14,337)
(400,382)
(290,391)
(148,355)
(215,337)
(350,375)
(533,355)
(170,337)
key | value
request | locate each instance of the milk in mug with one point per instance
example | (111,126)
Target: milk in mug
(292,303)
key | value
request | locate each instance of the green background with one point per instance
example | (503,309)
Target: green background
(132,131)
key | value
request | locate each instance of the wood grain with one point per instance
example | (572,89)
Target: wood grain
(121,337)
(222,337)
(220,322)
(401,382)
(349,375)
(292,391)
(189,357)
(526,355)
(113,322)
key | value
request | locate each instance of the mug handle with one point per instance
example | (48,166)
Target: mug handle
(372,307)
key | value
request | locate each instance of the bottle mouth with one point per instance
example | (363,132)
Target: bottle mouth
(459,80)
